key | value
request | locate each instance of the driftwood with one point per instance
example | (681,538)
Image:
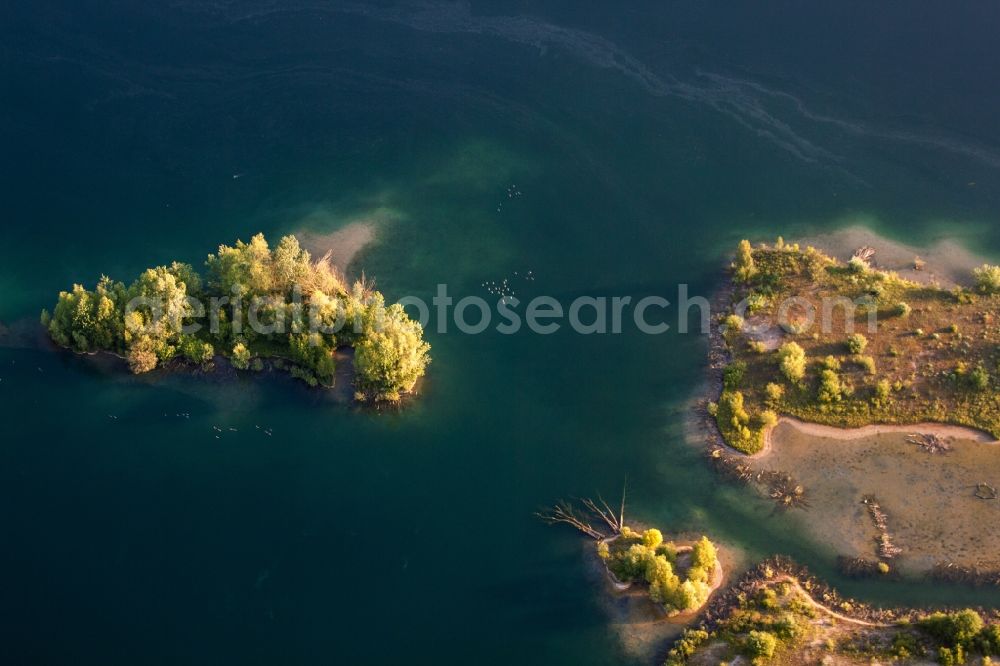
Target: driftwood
(929,443)
(985,491)
(949,572)
(731,467)
(858,567)
(783,489)
(865,254)
(886,549)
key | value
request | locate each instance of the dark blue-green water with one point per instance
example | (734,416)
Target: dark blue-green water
(646,140)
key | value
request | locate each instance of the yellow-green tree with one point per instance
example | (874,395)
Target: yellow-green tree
(744,268)
(792,359)
(391,359)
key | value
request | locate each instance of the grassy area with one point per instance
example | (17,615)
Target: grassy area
(876,349)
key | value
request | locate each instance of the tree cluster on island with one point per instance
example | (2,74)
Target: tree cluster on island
(924,353)
(303,308)
(676,577)
(643,557)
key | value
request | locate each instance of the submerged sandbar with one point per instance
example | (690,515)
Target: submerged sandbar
(934,515)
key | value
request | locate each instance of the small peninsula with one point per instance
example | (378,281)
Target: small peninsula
(252,304)
(780,614)
(848,345)
(867,398)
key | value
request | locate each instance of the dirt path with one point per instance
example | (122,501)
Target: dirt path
(785,578)
(833,432)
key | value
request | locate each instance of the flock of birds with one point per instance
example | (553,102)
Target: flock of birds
(219,430)
(504,288)
(512,193)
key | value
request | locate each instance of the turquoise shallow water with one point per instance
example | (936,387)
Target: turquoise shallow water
(647,142)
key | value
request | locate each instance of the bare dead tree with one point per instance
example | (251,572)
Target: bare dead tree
(604,513)
(621,512)
(565,514)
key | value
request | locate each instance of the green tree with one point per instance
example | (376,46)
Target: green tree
(745,267)
(142,355)
(704,555)
(311,351)
(241,356)
(291,265)
(245,267)
(196,350)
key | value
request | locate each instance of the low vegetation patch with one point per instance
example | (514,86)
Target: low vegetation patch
(774,617)
(861,346)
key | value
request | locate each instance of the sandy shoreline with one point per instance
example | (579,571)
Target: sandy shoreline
(947,263)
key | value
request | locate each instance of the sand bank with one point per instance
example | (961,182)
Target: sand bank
(930,498)
(946,262)
(343,245)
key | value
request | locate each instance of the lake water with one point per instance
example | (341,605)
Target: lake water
(646,142)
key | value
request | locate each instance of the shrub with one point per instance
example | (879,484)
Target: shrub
(733,323)
(831,363)
(734,423)
(882,389)
(732,376)
(756,302)
(768,418)
(866,362)
(857,343)
(774,392)
(760,645)
(988,640)
(953,628)
(987,279)
(685,646)
(793,361)
(902,310)
(830,388)
(857,265)
(652,538)
(979,378)
(905,645)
